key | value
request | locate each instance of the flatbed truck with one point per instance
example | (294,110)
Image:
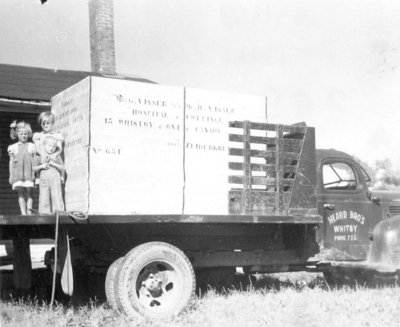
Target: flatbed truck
(297,209)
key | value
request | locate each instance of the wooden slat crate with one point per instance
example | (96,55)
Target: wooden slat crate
(273,169)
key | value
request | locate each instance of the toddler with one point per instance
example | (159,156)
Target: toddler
(50,168)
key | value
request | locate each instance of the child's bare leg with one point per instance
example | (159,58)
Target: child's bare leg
(21,200)
(29,200)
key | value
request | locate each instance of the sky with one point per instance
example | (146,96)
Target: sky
(333,64)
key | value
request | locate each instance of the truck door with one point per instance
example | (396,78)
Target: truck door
(344,204)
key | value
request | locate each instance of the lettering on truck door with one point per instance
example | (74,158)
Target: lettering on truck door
(344,204)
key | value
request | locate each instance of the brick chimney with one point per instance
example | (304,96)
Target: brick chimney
(101,28)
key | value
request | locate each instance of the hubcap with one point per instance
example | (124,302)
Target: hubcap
(157,286)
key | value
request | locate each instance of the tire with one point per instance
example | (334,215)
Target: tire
(156,280)
(111,281)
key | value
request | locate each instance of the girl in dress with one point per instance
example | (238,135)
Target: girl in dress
(21,165)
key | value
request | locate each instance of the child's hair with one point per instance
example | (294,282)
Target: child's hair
(15,127)
(44,116)
(47,139)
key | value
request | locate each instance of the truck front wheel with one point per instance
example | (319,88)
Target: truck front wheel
(155,279)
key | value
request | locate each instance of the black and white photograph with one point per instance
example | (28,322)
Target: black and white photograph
(199,163)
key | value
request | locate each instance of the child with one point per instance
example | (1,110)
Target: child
(50,172)
(21,165)
(46,121)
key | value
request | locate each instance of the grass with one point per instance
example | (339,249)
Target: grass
(286,303)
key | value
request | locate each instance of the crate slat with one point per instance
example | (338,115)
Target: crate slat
(267,181)
(292,129)
(263,154)
(267,168)
(293,144)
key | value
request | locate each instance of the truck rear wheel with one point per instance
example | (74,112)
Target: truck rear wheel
(155,279)
(110,283)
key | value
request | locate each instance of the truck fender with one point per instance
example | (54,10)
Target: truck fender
(385,247)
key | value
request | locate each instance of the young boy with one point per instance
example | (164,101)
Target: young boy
(50,172)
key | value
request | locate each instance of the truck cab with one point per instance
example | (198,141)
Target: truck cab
(350,209)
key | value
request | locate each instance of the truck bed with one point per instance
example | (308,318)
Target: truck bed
(199,233)
(208,240)
(65,218)
(42,226)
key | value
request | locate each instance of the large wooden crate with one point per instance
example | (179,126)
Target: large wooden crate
(140,148)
